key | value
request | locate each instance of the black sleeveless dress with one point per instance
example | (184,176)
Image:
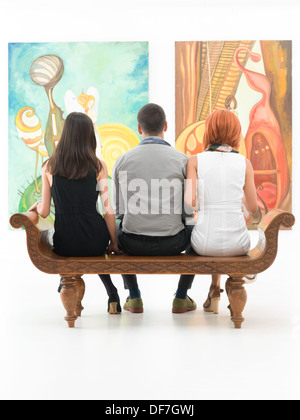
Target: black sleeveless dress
(80,230)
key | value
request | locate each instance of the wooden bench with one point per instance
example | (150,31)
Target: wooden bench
(39,243)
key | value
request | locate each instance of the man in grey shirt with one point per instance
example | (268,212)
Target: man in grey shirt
(149,200)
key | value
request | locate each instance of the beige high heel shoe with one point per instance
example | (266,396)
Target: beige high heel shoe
(250,278)
(213,300)
(114,308)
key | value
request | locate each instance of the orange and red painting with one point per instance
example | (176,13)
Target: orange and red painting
(254,80)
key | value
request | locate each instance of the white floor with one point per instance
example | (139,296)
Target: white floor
(155,355)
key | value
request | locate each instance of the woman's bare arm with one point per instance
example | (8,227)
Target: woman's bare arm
(107,209)
(190,196)
(43,207)
(250,197)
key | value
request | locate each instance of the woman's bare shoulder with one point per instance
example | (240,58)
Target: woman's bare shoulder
(46,172)
(45,166)
(193,161)
(103,171)
(249,166)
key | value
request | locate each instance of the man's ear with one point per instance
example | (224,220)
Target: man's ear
(140,130)
(166,126)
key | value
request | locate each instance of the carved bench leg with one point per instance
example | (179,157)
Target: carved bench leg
(237,296)
(69,297)
(228,290)
(80,286)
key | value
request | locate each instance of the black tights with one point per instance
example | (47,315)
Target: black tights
(108,284)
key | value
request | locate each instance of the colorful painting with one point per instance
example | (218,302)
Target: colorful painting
(47,81)
(254,80)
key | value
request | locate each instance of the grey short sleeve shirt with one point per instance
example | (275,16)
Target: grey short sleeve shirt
(148,183)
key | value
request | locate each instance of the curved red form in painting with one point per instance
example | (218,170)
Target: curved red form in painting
(264,142)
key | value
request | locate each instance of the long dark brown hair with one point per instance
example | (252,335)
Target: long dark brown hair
(75,154)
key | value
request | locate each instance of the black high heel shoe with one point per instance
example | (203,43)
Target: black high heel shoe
(114,307)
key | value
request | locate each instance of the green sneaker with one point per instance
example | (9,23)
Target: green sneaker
(134,306)
(181,306)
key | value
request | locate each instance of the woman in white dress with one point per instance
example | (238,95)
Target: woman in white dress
(219,181)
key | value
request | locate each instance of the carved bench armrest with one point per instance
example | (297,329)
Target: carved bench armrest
(29,220)
(281,217)
(268,231)
(39,231)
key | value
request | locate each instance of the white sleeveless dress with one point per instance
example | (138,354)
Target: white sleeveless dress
(221,228)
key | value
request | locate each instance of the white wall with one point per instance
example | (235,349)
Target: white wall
(161,22)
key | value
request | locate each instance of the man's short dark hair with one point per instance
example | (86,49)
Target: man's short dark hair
(152,119)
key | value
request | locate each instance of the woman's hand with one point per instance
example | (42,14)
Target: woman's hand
(108,212)
(113,249)
(34,207)
(256,217)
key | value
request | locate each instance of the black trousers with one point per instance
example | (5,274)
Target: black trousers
(141,245)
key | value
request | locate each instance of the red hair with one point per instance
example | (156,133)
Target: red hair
(222,127)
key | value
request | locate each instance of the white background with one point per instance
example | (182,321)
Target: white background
(155,355)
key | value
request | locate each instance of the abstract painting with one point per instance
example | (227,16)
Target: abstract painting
(47,81)
(253,79)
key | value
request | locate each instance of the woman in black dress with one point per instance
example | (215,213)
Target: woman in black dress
(74,177)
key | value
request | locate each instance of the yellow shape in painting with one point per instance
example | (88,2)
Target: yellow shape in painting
(29,127)
(116,139)
(190,141)
(27,121)
(243,150)
(42,148)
